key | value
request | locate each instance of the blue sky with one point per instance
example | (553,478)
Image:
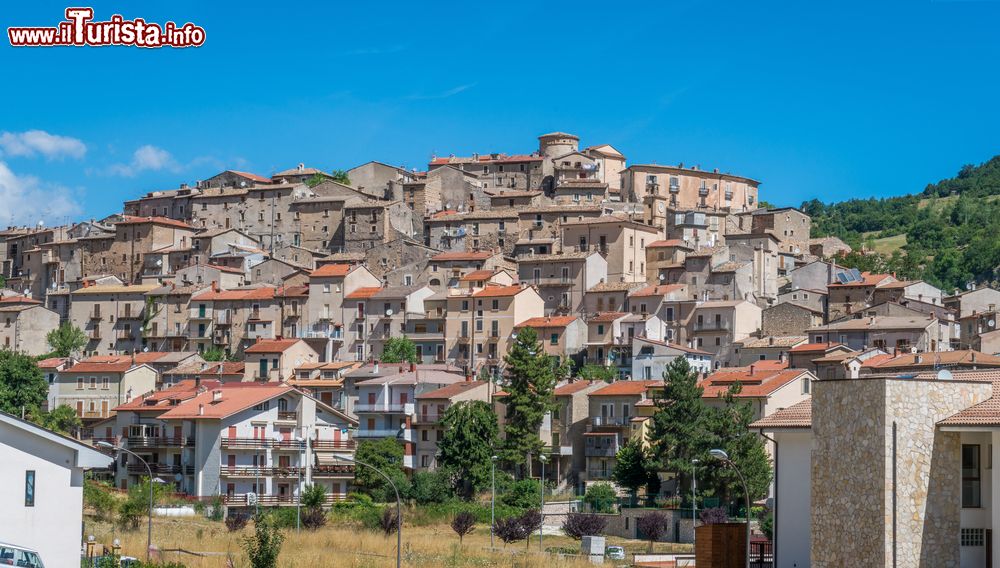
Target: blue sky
(831,100)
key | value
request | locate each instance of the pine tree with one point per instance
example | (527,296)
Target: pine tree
(631,470)
(469,442)
(530,381)
(729,426)
(679,431)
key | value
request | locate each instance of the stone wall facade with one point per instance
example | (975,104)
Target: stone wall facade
(852,471)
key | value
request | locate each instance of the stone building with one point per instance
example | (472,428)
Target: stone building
(489,229)
(562,279)
(111,316)
(789,319)
(379,180)
(370,224)
(688,187)
(24,324)
(621,240)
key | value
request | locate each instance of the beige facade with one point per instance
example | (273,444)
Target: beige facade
(276,360)
(94,387)
(326,316)
(111,316)
(621,241)
(480,322)
(716,325)
(25,325)
(562,279)
(689,187)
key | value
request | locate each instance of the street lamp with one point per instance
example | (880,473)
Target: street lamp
(399,506)
(149,527)
(722,456)
(694,496)
(493,496)
(542,458)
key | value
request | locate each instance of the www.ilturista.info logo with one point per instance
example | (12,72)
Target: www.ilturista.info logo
(79,29)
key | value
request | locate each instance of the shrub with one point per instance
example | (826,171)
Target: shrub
(263,547)
(98,497)
(130,514)
(523,494)
(217,509)
(653,526)
(510,530)
(313,518)
(713,516)
(236,522)
(430,487)
(531,520)
(313,495)
(579,525)
(601,497)
(767,525)
(389,521)
(463,524)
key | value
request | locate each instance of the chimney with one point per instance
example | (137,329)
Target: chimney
(217,395)
(201,410)
(413,367)
(197,382)
(751,368)
(302,167)
(375,370)
(770,340)
(973,356)
(918,359)
(215,286)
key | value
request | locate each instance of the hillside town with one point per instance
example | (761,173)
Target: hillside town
(235,330)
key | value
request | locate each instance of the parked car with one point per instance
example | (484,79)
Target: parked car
(615,552)
(11,555)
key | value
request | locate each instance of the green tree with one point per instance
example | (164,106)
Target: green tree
(262,548)
(523,494)
(470,440)
(66,340)
(315,180)
(313,495)
(592,372)
(631,467)
(386,454)
(22,385)
(530,381)
(214,354)
(62,419)
(729,426)
(679,431)
(399,349)
(430,487)
(601,497)
(341,176)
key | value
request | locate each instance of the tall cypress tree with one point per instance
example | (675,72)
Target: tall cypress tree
(530,382)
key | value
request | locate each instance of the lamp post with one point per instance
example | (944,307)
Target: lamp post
(493,496)
(149,526)
(541,481)
(694,496)
(399,507)
(722,456)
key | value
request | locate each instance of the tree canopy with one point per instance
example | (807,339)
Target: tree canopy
(399,349)
(470,440)
(385,454)
(22,385)
(66,340)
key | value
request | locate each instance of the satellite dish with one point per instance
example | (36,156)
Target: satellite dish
(159,262)
(41,223)
(145,349)
(178,477)
(663,277)
(388,312)
(944,375)
(992,323)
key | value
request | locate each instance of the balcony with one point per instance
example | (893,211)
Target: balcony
(124,335)
(601,451)
(703,192)
(675,188)
(552,281)
(259,471)
(712,326)
(599,474)
(200,315)
(381,407)
(160,469)
(224,318)
(329,445)
(559,450)
(199,335)
(614,421)
(652,187)
(390,433)
(157,442)
(247,443)
(94,335)
(428,417)
(96,315)
(92,414)
(333,471)
(287,416)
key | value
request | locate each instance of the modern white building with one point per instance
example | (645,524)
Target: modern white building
(41,490)
(650,358)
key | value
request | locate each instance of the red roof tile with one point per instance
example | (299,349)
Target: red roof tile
(660,290)
(607,317)
(814,347)
(18,300)
(236,397)
(271,346)
(249,175)
(798,415)
(363,293)
(332,270)
(498,291)
(669,243)
(759,383)
(52,362)
(452,390)
(627,388)
(543,322)
(574,387)
(265,293)
(477,275)
(867,279)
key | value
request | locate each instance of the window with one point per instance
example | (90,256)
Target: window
(105,383)
(29,488)
(971,477)
(554,339)
(79,383)
(805,385)
(972,537)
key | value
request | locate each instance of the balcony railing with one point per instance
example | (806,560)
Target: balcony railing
(599,474)
(247,443)
(165,442)
(600,451)
(96,316)
(428,417)
(712,326)
(283,415)
(598,421)
(200,315)
(332,470)
(260,471)
(379,407)
(324,445)
(241,499)
(160,469)
(223,318)
(391,433)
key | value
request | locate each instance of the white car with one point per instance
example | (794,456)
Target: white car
(11,555)
(615,552)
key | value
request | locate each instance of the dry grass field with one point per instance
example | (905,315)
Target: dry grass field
(342,544)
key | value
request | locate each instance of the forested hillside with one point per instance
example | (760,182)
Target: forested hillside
(948,235)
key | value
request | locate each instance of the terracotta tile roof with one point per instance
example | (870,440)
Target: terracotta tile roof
(130,220)
(332,270)
(881,322)
(814,347)
(461,255)
(756,384)
(249,175)
(271,346)
(265,293)
(499,291)
(9,300)
(453,389)
(867,279)
(87,366)
(220,268)
(876,360)
(762,342)
(297,171)
(626,388)
(168,397)
(574,387)
(669,243)
(292,291)
(226,367)
(938,358)
(676,346)
(543,322)
(363,293)
(52,362)
(607,317)
(657,290)
(798,415)
(476,275)
(115,289)
(616,286)
(236,397)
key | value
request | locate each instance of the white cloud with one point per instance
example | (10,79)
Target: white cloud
(146,158)
(27,200)
(32,142)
